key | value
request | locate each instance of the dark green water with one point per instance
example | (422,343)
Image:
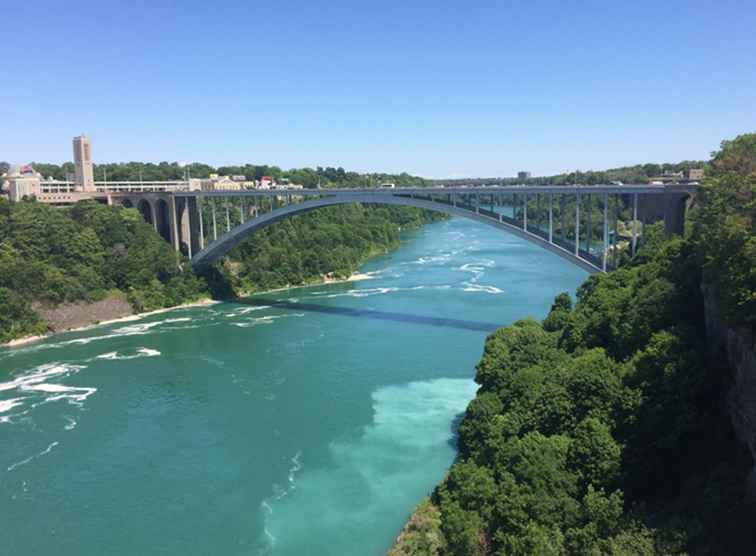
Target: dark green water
(307,422)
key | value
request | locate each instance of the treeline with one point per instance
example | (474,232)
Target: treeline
(604,428)
(88,251)
(307,177)
(640,173)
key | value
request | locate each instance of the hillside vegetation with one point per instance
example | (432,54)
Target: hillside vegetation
(50,256)
(331,241)
(603,429)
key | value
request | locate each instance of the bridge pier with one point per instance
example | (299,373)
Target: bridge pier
(589,227)
(201,226)
(215,225)
(577,224)
(635,224)
(674,212)
(551,218)
(606,232)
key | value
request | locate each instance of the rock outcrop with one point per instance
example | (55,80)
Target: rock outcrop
(739,346)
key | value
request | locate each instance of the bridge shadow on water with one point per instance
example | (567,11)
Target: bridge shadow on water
(371,314)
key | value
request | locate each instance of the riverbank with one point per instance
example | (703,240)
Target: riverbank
(126,315)
(75,317)
(322,281)
(421,535)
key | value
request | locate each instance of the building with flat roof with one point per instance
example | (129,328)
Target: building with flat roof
(693,174)
(522,176)
(82,150)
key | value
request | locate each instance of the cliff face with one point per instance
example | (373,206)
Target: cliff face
(739,346)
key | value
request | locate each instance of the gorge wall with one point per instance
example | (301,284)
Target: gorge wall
(739,346)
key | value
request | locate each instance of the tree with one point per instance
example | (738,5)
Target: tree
(736,156)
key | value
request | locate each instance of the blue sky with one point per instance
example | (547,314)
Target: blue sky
(440,89)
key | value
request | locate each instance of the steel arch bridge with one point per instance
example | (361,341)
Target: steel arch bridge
(551,217)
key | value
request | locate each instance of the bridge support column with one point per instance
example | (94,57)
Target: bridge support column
(215,225)
(228,219)
(185,225)
(525,212)
(606,232)
(174,223)
(241,210)
(201,224)
(563,230)
(614,237)
(195,225)
(577,224)
(674,212)
(153,213)
(589,229)
(477,203)
(635,224)
(551,218)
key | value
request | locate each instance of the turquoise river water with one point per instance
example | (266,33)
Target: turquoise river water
(301,422)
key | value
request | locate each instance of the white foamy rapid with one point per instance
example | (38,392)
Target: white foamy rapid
(394,462)
(269,319)
(245,310)
(139,329)
(140,352)
(37,387)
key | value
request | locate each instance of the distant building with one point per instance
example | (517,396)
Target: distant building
(267,182)
(82,150)
(219,183)
(23,181)
(693,174)
(522,176)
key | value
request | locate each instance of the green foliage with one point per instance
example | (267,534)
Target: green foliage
(50,255)
(422,534)
(640,173)
(332,241)
(737,156)
(725,231)
(17,317)
(604,430)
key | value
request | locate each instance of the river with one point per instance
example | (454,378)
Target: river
(301,422)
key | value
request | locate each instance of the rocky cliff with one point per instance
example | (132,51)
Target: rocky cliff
(738,345)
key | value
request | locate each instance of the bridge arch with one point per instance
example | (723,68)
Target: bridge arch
(145,209)
(231,239)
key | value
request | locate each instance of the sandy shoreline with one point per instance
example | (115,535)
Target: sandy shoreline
(326,280)
(203,302)
(29,339)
